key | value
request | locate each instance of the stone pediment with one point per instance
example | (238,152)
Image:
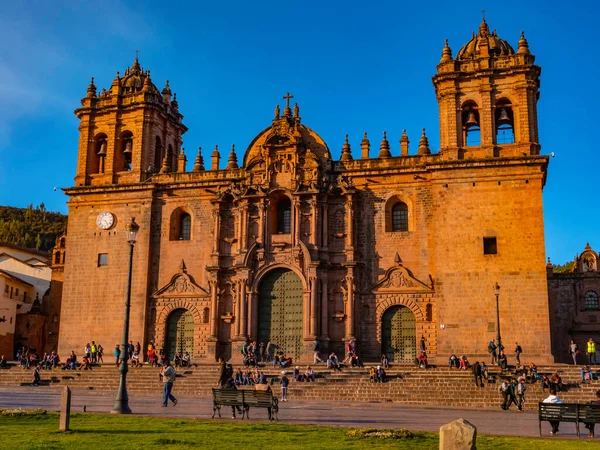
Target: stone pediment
(181,285)
(400,279)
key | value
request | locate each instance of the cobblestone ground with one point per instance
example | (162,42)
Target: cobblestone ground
(487,420)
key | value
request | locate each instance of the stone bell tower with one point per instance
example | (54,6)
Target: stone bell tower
(128,132)
(487,98)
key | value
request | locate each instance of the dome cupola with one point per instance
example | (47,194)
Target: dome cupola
(496,46)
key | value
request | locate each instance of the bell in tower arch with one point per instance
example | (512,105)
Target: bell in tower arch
(471,120)
(503,119)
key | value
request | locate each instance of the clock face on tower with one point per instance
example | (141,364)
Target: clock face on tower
(105,220)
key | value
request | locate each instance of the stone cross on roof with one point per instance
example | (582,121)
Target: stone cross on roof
(287,99)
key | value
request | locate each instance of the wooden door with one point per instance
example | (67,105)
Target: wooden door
(398,334)
(280,312)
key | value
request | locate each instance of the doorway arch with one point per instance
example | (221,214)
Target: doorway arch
(179,333)
(280,317)
(399,334)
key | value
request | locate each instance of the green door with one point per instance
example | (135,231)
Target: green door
(180,333)
(280,312)
(398,334)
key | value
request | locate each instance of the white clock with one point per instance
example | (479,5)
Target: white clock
(105,220)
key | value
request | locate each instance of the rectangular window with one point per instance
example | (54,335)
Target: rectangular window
(489,246)
(6,288)
(102,259)
(17,292)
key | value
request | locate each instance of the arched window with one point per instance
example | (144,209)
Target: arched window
(126,150)
(471,124)
(205,315)
(185,227)
(99,153)
(284,215)
(429,312)
(400,217)
(505,122)
(158,156)
(180,225)
(57,258)
(591,300)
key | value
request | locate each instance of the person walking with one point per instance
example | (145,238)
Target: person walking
(591,352)
(590,425)
(518,351)
(493,353)
(36,376)
(222,374)
(521,395)
(573,350)
(316,349)
(553,398)
(117,354)
(504,391)
(512,390)
(168,378)
(284,386)
(477,374)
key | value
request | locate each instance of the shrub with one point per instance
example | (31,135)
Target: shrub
(401,433)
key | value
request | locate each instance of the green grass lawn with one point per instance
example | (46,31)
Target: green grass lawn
(92,431)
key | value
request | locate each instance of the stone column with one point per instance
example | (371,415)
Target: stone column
(237,311)
(350,307)
(296,222)
(324,309)
(313,223)
(244,228)
(214,310)
(245,309)
(349,226)
(313,307)
(217,225)
(324,241)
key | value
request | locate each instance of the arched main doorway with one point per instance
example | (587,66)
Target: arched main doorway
(399,334)
(280,311)
(180,333)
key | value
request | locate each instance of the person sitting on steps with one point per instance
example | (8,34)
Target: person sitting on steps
(385,362)
(502,361)
(464,363)
(453,362)
(85,364)
(333,362)
(309,374)
(186,360)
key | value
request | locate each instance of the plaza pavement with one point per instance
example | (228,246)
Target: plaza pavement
(346,414)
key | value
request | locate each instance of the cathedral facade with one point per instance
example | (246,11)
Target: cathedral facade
(288,246)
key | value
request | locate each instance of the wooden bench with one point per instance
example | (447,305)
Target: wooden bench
(568,412)
(245,399)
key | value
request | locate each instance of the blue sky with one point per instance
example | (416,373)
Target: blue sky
(351,66)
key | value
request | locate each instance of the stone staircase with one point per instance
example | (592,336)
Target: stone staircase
(406,384)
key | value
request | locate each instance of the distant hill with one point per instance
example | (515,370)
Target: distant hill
(32,227)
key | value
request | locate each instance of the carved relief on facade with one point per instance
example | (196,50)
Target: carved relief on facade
(181,284)
(337,227)
(400,279)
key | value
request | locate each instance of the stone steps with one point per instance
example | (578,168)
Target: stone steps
(438,386)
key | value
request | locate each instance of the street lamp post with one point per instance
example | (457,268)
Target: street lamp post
(498,338)
(122,399)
